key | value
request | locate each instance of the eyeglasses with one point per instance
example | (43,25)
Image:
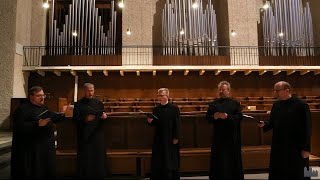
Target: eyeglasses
(278,90)
(40,95)
(161,95)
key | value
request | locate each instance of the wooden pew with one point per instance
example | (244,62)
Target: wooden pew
(126,146)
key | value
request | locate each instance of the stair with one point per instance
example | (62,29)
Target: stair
(5,154)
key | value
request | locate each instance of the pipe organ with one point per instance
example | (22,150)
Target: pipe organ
(189,29)
(287,28)
(83,31)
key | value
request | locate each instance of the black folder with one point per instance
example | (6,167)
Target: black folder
(149,115)
(54,116)
(251,117)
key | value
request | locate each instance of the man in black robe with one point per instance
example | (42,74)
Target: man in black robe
(291,123)
(33,152)
(225,115)
(89,116)
(165,161)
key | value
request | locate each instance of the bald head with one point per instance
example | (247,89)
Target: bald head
(283,85)
(282,90)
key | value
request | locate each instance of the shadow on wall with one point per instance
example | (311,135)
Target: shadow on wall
(157,26)
(5,123)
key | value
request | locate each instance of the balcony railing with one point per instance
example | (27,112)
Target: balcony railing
(151,55)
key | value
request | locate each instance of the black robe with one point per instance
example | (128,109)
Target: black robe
(291,123)
(165,161)
(33,152)
(91,150)
(226,162)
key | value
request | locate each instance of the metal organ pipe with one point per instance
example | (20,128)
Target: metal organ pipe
(198,24)
(92,35)
(287,28)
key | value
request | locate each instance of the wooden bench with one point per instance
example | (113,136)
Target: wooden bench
(146,103)
(197,104)
(189,108)
(194,99)
(143,108)
(119,108)
(182,102)
(179,99)
(137,162)
(208,98)
(122,162)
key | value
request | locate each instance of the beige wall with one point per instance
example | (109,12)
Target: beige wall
(138,16)
(8,9)
(22,24)
(23,37)
(243,18)
(31,19)
(38,23)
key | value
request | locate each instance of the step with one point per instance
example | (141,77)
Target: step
(5,147)
(5,160)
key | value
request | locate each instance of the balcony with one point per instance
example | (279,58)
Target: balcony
(150,58)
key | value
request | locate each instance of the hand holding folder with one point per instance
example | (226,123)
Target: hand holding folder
(251,117)
(54,116)
(149,115)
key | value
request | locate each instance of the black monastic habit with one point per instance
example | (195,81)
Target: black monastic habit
(226,162)
(33,152)
(291,123)
(165,161)
(91,150)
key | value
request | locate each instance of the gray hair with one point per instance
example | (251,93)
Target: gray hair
(34,90)
(166,90)
(87,85)
(224,83)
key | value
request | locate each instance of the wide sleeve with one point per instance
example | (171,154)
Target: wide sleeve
(237,114)
(210,113)
(101,109)
(20,123)
(306,125)
(77,118)
(154,121)
(177,124)
(269,123)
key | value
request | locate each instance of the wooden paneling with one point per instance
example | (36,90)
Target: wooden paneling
(191,60)
(82,60)
(203,132)
(132,132)
(249,129)
(116,60)
(140,135)
(191,86)
(129,142)
(289,60)
(315,140)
